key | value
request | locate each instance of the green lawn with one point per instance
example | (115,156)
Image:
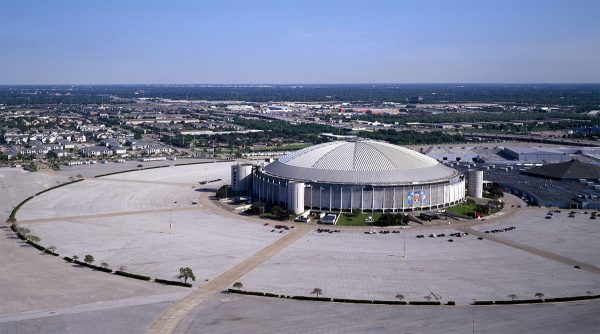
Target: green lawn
(349,219)
(463,209)
(286,147)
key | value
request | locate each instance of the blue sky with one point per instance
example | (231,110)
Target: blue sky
(294,41)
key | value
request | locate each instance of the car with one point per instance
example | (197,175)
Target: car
(593,217)
(450,240)
(548,217)
(480,238)
(420,236)
(432,235)
(441,235)
(556,211)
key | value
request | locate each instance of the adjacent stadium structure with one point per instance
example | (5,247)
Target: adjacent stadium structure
(357,174)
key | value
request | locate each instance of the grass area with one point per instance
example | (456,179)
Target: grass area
(286,147)
(463,209)
(350,219)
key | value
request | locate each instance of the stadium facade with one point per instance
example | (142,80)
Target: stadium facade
(358,174)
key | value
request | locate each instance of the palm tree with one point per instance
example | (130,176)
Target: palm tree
(399,296)
(539,295)
(317,291)
(88,259)
(238,285)
(104,265)
(186,273)
(512,296)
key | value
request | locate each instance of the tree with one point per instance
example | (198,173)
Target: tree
(539,295)
(33,238)
(222,191)
(51,248)
(186,273)
(255,209)
(317,291)
(238,285)
(512,296)
(399,296)
(88,259)
(51,155)
(75,257)
(104,265)
(279,212)
(24,231)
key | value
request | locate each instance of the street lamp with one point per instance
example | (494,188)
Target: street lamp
(404,244)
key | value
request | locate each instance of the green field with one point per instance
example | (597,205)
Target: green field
(287,147)
(351,219)
(463,209)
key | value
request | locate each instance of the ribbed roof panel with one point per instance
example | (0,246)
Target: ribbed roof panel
(362,162)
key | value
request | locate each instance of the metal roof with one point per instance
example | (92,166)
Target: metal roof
(359,162)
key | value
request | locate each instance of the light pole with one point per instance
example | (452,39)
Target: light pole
(473,315)
(404,244)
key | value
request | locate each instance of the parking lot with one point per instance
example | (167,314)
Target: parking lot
(147,221)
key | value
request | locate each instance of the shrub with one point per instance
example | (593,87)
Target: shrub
(167,282)
(424,303)
(130,275)
(483,302)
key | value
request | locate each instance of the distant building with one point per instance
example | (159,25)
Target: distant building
(535,154)
(95,151)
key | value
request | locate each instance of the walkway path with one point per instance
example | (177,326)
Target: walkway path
(167,322)
(107,215)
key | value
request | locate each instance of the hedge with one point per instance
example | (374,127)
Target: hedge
(102,269)
(354,301)
(450,302)
(167,282)
(50,252)
(483,302)
(320,299)
(13,213)
(242,292)
(424,303)
(130,275)
(68,259)
(129,170)
(389,302)
(58,186)
(519,301)
(570,299)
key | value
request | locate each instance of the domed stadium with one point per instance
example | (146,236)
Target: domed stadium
(358,174)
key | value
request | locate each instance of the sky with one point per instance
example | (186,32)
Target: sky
(299,41)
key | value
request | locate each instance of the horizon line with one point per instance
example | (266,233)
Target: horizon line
(299,84)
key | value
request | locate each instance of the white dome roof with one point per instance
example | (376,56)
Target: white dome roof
(360,162)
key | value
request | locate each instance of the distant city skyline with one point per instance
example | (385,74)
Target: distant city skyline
(299,42)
